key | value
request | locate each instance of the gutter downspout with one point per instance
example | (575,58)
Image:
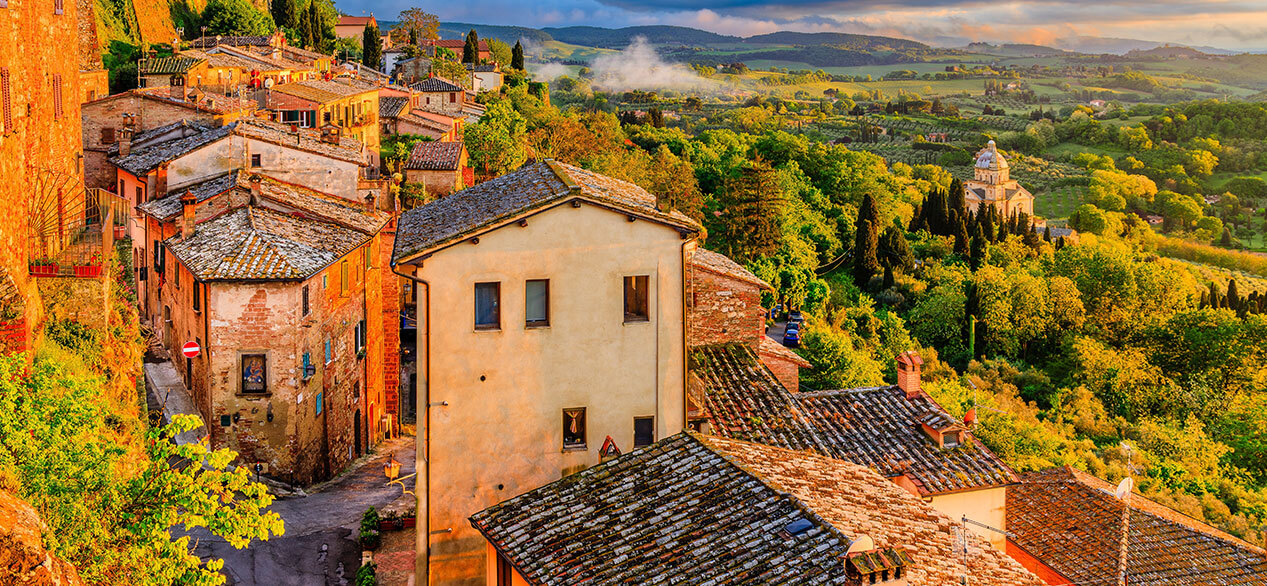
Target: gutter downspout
(686,348)
(422,478)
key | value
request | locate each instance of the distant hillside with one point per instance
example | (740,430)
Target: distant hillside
(1168,52)
(1084,44)
(505,34)
(1013,49)
(868,42)
(607,38)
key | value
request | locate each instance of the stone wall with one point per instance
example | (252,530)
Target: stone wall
(37,49)
(108,114)
(23,559)
(724,309)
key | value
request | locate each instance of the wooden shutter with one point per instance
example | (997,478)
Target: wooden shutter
(107,135)
(58,6)
(6,121)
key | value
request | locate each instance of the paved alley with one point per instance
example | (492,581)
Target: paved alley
(320,545)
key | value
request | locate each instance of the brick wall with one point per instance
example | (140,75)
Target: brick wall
(724,309)
(37,46)
(391,325)
(13,336)
(787,371)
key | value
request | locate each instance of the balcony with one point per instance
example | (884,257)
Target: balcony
(362,120)
(72,229)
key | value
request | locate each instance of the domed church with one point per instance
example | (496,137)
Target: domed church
(992,185)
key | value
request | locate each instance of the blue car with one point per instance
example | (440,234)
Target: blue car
(792,337)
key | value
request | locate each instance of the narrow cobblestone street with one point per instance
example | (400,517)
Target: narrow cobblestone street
(320,545)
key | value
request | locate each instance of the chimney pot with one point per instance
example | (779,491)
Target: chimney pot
(255,190)
(187,202)
(908,373)
(160,181)
(369,202)
(125,139)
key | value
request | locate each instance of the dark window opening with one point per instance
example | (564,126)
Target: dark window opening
(254,373)
(107,135)
(574,428)
(504,571)
(644,431)
(303,301)
(636,298)
(537,303)
(255,160)
(488,306)
(197,292)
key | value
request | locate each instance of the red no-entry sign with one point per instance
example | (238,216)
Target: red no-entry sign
(190,349)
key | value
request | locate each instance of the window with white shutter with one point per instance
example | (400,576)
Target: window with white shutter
(6,102)
(57,96)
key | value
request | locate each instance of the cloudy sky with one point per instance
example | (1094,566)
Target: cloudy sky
(1233,24)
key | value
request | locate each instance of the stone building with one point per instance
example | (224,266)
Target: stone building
(411,70)
(282,287)
(897,430)
(991,184)
(140,111)
(349,105)
(42,56)
(441,167)
(485,77)
(399,113)
(551,308)
(353,27)
(440,95)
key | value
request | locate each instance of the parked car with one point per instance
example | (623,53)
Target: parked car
(792,338)
(795,317)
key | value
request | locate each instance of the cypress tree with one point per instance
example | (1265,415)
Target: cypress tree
(517,56)
(1226,241)
(1214,296)
(372,47)
(283,13)
(471,51)
(866,239)
(1233,296)
(961,240)
(917,219)
(314,24)
(956,201)
(976,254)
(303,27)
(1047,233)
(413,36)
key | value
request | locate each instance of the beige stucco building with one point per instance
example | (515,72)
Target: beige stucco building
(991,184)
(550,321)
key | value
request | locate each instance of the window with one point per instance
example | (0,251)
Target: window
(320,396)
(369,253)
(325,281)
(504,571)
(177,273)
(644,431)
(303,301)
(343,277)
(107,135)
(255,160)
(574,428)
(360,335)
(309,368)
(121,185)
(6,102)
(197,292)
(636,298)
(254,373)
(158,256)
(57,86)
(950,440)
(488,306)
(453,97)
(329,351)
(537,303)
(58,6)
(140,194)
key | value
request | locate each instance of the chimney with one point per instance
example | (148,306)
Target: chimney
(369,202)
(160,181)
(255,190)
(187,201)
(125,139)
(908,367)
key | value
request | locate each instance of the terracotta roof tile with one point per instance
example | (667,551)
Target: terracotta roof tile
(322,91)
(723,265)
(167,65)
(699,510)
(435,156)
(533,186)
(436,84)
(141,161)
(392,106)
(305,139)
(876,427)
(169,207)
(212,41)
(1072,522)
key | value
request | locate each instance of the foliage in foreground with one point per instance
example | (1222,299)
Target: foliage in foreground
(112,495)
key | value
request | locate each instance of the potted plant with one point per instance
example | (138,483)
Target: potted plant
(91,269)
(120,232)
(370,536)
(366,575)
(409,518)
(389,521)
(44,267)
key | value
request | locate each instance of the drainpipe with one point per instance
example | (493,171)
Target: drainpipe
(686,348)
(422,546)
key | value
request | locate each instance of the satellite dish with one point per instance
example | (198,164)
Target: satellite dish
(1124,488)
(862,543)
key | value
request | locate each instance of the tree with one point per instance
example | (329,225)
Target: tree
(976,253)
(111,500)
(236,17)
(752,204)
(894,253)
(303,27)
(471,50)
(500,52)
(372,47)
(517,57)
(416,24)
(866,240)
(283,13)
(496,143)
(961,240)
(316,27)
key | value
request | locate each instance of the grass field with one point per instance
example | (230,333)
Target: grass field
(1069,148)
(1059,203)
(1218,180)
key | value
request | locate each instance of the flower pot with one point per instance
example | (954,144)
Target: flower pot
(120,232)
(410,522)
(88,271)
(386,524)
(48,270)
